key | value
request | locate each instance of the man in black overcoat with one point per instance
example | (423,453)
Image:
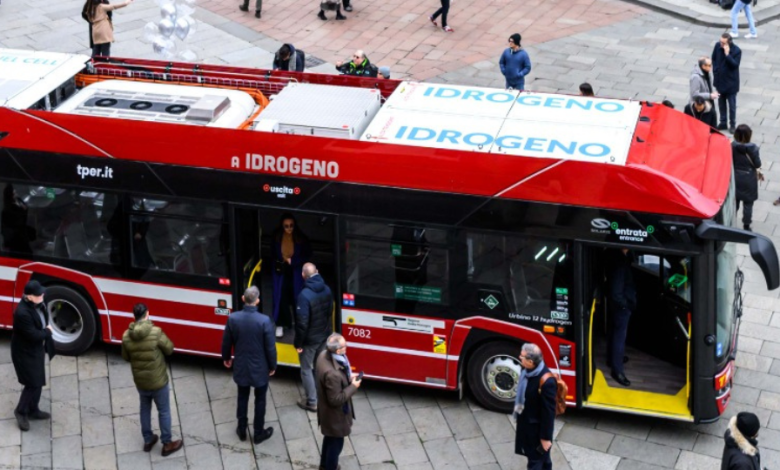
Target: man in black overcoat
(30,342)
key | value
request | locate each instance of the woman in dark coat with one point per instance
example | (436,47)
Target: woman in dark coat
(746,164)
(30,340)
(291,250)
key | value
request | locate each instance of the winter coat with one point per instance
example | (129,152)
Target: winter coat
(297,60)
(537,420)
(313,313)
(30,341)
(364,69)
(708,116)
(699,84)
(746,159)
(726,68)
(102,26)
(250,336)
(300,257)
(335,412)
(739,452)
(515,65)
(622,289)
(145,346)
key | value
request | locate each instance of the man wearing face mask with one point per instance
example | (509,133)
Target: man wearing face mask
(30,341)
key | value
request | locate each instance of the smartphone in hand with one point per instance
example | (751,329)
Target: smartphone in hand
(360,375)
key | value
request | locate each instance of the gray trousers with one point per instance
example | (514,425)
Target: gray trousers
(307,358)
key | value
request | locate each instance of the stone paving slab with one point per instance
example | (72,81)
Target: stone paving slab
(710,14)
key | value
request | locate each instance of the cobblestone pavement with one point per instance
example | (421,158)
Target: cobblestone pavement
(633,53)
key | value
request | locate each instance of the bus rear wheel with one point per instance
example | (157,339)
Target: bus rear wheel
(72,320)
(493,372)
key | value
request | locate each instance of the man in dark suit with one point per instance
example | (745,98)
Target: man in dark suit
(249,335)
(535,409)
(30,341)
(336,384)
(621,302)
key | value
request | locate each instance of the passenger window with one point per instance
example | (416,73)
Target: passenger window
(166,236)
(398,266)
(533,275)
(39,221)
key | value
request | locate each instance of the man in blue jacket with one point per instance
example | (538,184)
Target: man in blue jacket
(725,66)
(313,325)
(249,335)
(515,64)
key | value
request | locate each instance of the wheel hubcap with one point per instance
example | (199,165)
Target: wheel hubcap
(500,375)
(66,321)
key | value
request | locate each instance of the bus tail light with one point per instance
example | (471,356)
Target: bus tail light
(723,386)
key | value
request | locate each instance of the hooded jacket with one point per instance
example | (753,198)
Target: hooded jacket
(708,116)
(144,346)
(699,84)
(739,451)
(313,313)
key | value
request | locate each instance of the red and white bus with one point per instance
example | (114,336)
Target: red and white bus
(453,223)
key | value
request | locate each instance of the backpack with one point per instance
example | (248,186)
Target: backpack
(726,4)
(560,393)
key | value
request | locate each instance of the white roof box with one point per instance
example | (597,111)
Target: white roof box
(321,110)
(452,99)
(159,102)
(28,76)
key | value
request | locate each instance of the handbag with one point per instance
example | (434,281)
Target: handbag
(759,174)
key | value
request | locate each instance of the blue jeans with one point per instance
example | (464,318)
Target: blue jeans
(617,340)
(162,400)
(739,5)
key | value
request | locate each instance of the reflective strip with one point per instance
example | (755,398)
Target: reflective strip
(4,298)
(564,372)
(8,274)
(174,321)
(390,379)
(410,352)
(171,294)
(187,351)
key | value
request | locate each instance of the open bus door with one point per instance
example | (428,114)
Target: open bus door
(657,357)
(255,231)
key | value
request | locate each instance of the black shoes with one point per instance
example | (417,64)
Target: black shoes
(621,379)
(722,127)
(341,17)
(263,436)
(321,15)
(241,431)
(732,129)
(39,415)
(746,227)
(148,447)
(21,419)
(244,7)
(348,8)
(257,14)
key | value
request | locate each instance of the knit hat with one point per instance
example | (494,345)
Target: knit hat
(516,38)
(748,424)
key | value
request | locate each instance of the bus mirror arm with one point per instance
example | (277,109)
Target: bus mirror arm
(762,250)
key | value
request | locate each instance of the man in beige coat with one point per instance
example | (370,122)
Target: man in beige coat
(335,387)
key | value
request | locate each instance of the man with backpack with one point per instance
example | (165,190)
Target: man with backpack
(536,405)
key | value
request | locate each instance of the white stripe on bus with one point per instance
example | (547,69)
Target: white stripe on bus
(376,320)
(170,294)
(4,298)
(8,274)
(391,379)
(174,321)
(410,352)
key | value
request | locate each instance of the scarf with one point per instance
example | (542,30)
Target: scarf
(342,359)
(525,374)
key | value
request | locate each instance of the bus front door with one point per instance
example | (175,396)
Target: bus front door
(271,247)
(657,349)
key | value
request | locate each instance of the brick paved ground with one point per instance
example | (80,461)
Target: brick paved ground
(639,53)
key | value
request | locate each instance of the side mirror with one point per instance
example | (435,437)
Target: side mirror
(763,252)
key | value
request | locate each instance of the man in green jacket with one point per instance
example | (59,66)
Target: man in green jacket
(143,345)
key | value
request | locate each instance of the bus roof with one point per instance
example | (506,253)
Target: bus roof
(600,153)
(27,76)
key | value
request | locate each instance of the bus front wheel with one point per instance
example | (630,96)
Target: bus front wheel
(72,320)
(493,372)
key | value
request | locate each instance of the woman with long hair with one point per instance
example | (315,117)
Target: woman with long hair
(98,14)
(747,162)
(290,251)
